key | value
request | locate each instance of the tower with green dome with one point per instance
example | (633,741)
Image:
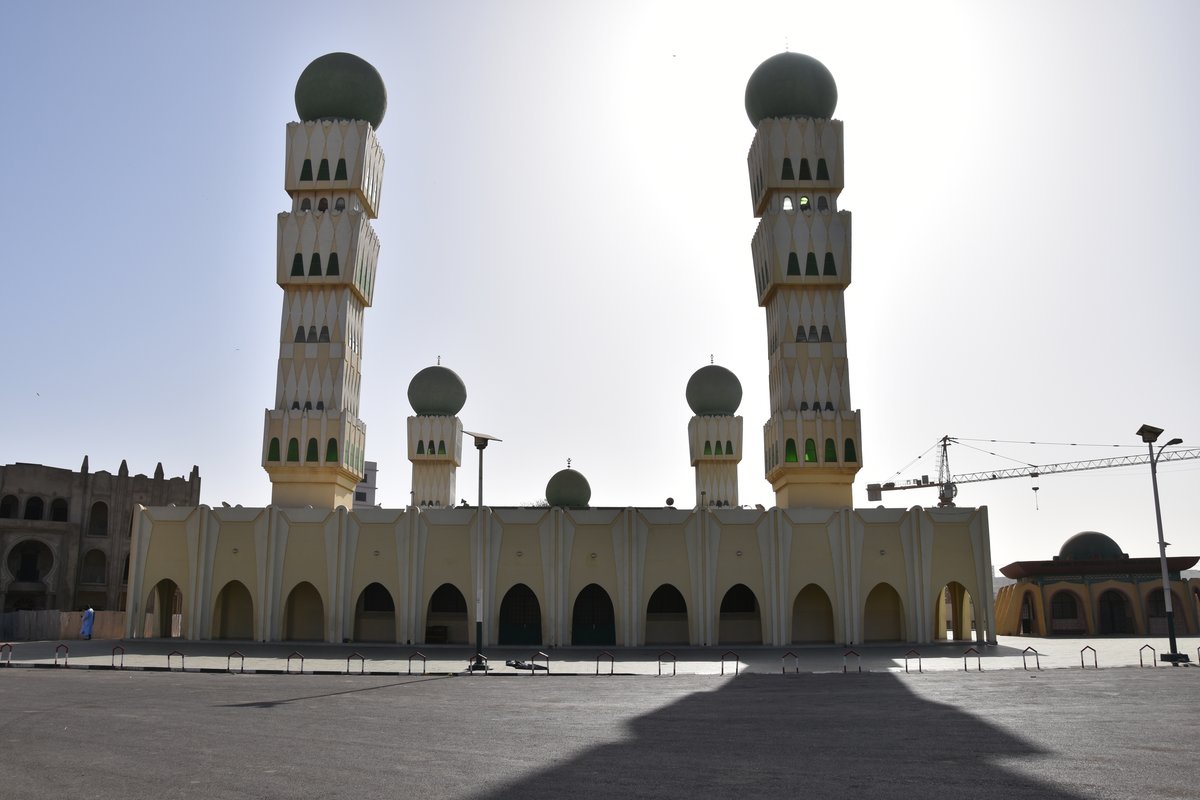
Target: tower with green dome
(313,440)
(435,435)
(801,253)
(715,434)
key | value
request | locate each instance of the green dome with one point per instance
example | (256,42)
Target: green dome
(341,86)
(1090,546)
(714,391)
(437,392)
(790,85)
(568,489)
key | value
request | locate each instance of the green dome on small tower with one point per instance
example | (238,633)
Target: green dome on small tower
(341,86)
(437,392)
(790,85)
(714,391)
(568,489)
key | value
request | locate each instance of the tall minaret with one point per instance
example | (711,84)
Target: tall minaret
(435,435)
(802,268)
(313,440)
(715,434)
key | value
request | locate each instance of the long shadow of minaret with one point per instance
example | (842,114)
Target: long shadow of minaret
(821,736)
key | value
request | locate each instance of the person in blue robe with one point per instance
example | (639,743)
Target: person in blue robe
(85,629)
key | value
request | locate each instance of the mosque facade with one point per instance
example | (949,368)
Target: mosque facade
(811,569)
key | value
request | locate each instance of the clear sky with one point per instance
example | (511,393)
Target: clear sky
(566,221)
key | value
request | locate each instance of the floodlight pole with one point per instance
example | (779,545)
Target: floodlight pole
(481,443)
(1150,435)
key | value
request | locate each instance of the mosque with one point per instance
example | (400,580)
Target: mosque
(811,569)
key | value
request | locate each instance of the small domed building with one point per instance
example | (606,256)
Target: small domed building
(1093,588)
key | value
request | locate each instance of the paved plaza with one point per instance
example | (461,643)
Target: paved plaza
(1062,732)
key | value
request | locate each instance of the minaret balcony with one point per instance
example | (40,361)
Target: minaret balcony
(795,155)
(327,249)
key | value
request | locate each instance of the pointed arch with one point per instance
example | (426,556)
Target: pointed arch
(883,615)
(446,618)
(293,450)
(98,519)
(830,451)
(375,615)
(810,264)
(331,449)
(1115,613)
(810,451)
(593,621)
(323,170)
(789,452)
(233,612)
(312,452)
(304,614)
(520,617)
(954,613)
(851,452)
(1066,613)
(740,621)
(306,173)
(812,616)
(298,266)
(339,174)
(787,174)
(164,610)
(666,617)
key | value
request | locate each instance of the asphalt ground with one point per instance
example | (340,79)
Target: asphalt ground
(1060,733)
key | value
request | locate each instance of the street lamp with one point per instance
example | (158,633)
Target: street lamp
(481,443)
(1150,435)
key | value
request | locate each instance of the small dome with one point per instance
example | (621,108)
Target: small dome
(341,86)
(1090,546)
(568,489)
(437,392)
(714,391)
(790,85)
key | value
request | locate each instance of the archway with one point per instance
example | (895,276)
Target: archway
(233,613)
(740,622)
(812,616)
(1030,625)
(164,610)
(520,617)
(375,615)
(954,613)
(666,617)
(304,614)
(29,562)
(446,621)
(1116,613)
(593,621)
(1066,614)
(1156,614)
(883,615)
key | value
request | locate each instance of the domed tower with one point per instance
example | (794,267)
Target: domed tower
(801,255)
(568,488)
(313,440)
(435,434)
(715,434)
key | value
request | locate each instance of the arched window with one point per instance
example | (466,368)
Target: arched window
(306,204)
(273,449)
(830,451)
(828,405)
(334,267)
(312,453)
(306,170)
(851,453)
(813,336)
(295,405)
(822,170)
(320,405)
(805,170)
(34,508)
(804,206)
(787,175)
(298,266)
(323,204)
(339,204)
(323,336)
(58,510)
(1064,606)
(787,204)
(442,447)
(8,507)
(308,405)
(728,447)
(323,170)
(789,452)
(420,447)
(708,448)
(294,450)
(800,337)
(822,203)
(314,266)
(312,334)
(825,335)
(94,567)
(300,335)
(720,451)
(793,267)
(432,449)
(331,450)
(804,405)
(98,519)
(810,264)
(810,451)
(830,268)
(340,173)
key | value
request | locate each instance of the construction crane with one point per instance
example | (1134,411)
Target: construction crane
(947,484)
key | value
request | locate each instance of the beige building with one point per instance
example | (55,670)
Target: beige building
(812,569)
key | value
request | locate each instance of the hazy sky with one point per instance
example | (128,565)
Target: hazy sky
(566,221)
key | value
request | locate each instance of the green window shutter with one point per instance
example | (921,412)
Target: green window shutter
(810,451)
(830,451)
(323,170)
(312,454)
(789,452)
(273,450)
(293,450)
(331,451)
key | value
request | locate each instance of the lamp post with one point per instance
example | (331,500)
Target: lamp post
(1150,435)
(481,443)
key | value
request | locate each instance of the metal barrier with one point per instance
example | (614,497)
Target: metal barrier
(917,656)
(478,663)
(6,647)
(362,663)
(114,657)
(795,661)
(182,666)
(1095,664)
(978,660)
(663,657)
(420,655)
(229,662)
(1037,658)
(292,655)
(854,653)
(737,662)
(66,653)
(533,659)
(612,662)
(1153,656)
